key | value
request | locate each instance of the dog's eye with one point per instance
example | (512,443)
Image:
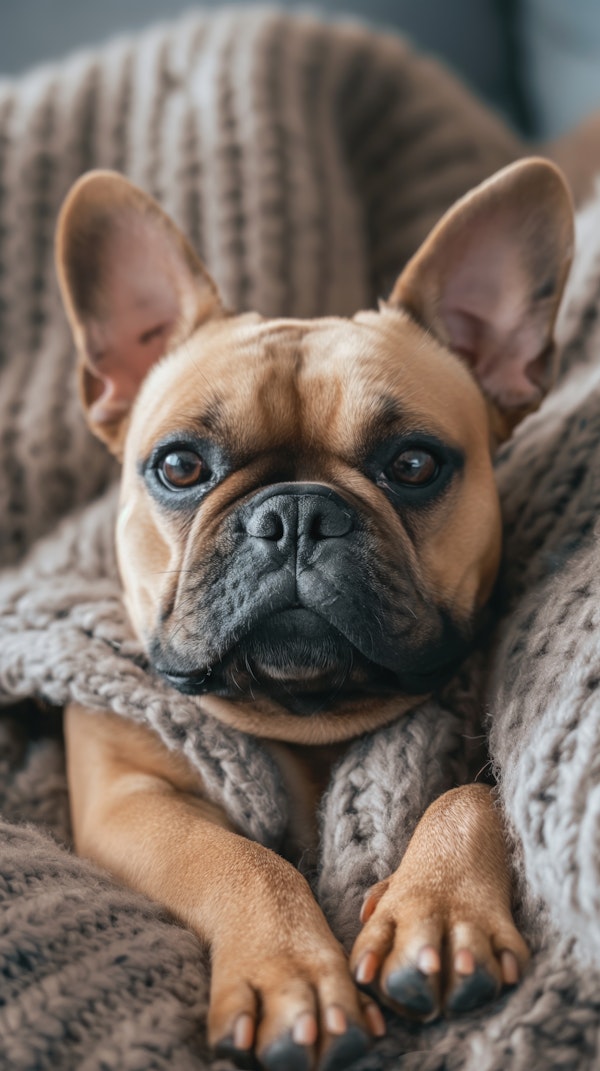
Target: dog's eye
(413,467)
(180,469)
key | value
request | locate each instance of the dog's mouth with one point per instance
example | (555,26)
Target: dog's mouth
(302,662)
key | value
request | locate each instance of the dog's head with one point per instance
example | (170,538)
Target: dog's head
(309,525)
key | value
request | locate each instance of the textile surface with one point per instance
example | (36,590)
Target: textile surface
(306,162)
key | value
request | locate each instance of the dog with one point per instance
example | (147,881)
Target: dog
(308,536)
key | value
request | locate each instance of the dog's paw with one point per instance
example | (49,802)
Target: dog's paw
(288,1002)
(438,935)
(425,955)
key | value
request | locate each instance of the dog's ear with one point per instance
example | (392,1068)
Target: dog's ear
(133,288)
(488,280)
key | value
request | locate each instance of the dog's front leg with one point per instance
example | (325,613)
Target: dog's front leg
(439,932)
(280,980)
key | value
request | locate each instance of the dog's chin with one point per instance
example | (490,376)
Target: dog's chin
(300,662)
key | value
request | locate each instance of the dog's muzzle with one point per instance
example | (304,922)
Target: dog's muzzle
(300,609)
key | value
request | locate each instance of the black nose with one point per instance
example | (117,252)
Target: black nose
(298,512)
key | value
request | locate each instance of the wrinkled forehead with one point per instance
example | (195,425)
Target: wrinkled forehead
(324,385)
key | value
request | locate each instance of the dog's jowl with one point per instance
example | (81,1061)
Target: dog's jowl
(308,539)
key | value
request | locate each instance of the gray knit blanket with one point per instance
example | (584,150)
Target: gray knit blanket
(306,162)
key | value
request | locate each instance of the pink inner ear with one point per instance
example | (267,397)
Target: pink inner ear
(491,320)
(465,332)
(488,280)
(121,364)
(147,291)
(504,362)
(133,287)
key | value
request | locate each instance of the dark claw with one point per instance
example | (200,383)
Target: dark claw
(345,1049)
(476,989)
(242,1058)
(284,1055)
(412,989)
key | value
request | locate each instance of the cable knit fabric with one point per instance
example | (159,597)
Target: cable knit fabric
(306,162)
(544,697)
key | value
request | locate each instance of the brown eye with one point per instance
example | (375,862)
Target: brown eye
(413,467)
(182,468)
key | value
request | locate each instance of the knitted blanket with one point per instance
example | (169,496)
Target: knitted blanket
(306,162)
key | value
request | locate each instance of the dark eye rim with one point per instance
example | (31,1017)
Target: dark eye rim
(450,461)
(171,497)
(407,483)
(205,476)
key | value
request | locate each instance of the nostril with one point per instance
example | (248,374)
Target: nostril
(318,528)
(266,524)
(329,524)
(314,527)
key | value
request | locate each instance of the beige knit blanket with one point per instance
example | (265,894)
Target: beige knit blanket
(306,162)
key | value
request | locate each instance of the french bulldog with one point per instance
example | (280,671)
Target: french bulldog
(309,534)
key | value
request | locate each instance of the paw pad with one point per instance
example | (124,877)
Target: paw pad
(412,989)
(284,1055)
(473,991)
(345,1050)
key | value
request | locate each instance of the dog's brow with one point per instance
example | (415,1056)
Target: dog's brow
(211,419)
(386,416)
(383,412)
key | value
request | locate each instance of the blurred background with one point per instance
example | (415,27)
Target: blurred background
(537,61)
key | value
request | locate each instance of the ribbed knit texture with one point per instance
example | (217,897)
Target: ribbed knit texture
(306,163)
(544,695)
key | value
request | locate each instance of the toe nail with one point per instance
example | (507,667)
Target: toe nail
(243,1031)
(335,1020)
(428,960)
(305,1030)
(369,904)
(366,910)
(367,968)
(464,961)
(375,1020)
(510,967)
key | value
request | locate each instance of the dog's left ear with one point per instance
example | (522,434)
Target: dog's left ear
(133,288)
(488,280)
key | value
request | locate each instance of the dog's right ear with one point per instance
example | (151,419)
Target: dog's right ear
(133,289)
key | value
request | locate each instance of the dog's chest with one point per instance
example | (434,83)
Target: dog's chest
(306,773)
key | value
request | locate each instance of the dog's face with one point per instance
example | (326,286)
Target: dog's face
(309,526)
(304,519)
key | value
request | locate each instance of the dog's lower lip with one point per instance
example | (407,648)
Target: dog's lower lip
(301,681)
(180,679)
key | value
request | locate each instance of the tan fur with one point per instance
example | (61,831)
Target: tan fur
(294,399)
(312,418)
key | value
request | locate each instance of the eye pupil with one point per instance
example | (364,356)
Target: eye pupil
(183,468)
(413,467)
